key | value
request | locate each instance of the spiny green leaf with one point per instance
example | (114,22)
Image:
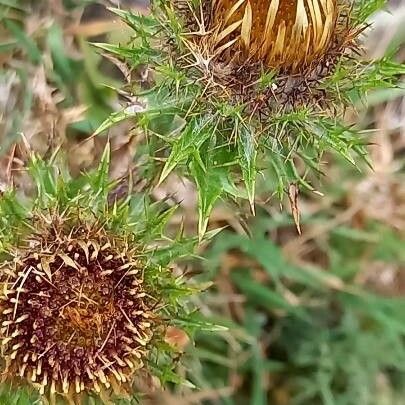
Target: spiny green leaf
(248,154)
(209,189)
(196,322)
(189,141)
(101,179)
(44,175)
(137,55)
(157,223)
(113,119)
(139,23)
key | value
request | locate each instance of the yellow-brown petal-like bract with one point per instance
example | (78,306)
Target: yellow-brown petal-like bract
(280,33)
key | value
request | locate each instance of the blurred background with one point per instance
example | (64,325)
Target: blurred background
(316,318)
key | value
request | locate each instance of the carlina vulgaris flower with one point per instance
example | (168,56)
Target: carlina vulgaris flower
(236,41)
(76,313)
(284,33)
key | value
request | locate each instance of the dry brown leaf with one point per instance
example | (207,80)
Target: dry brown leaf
(293,192)
(177,338)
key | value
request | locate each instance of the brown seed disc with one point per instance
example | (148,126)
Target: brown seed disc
(75,317)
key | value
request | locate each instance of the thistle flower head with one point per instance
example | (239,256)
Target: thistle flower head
(75,312)
(298,42)
(258,85)
(287,34)
(85,302)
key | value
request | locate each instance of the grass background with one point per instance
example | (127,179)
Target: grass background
(316,318)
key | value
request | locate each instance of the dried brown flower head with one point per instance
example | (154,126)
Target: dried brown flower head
(235,43)
(75,314)
(280,33)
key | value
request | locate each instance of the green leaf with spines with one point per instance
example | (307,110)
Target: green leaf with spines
(137,55)
(145,26)
(208,180)
(101,181)
(189,141)
(248,161)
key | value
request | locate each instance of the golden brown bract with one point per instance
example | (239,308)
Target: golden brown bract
(238,44)
(75,315)
(280,33)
